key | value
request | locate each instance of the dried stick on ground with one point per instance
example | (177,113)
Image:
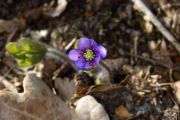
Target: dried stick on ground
(157,23)
(8,85)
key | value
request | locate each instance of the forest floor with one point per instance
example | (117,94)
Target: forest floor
(142,83)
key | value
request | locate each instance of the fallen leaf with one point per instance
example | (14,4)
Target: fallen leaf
(88,108)
(123,113)
(65,88)
(37,102)
(11,25)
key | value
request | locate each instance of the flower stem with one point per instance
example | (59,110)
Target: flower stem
(108,70)
(61,54)
(64,56)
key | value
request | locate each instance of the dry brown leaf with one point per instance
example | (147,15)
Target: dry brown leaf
(37,102)
(1,86)
(123,113)
(176,87)
(11,25)
(65,88)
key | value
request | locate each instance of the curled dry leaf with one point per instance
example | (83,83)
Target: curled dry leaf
(65,88)
(37,102)
(89,109)
(123,113)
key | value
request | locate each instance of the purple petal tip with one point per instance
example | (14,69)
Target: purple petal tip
(103,51)
(74,54)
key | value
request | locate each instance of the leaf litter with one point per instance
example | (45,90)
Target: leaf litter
(144,65)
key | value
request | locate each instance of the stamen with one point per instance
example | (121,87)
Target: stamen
(89,54)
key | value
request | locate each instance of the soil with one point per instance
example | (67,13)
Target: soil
(138,57)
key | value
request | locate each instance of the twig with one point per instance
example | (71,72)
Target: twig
(70,44)
(157,23)
(11,36)
(162,84)
(171,75)
(6,83)
(135,49)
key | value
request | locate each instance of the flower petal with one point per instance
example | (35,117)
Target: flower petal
(80,63)
(93,43)
(86,43)
(93,62)
(103,51)
(75,54)
(88,64)
(97,59)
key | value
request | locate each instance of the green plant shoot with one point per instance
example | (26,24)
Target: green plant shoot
(26,51)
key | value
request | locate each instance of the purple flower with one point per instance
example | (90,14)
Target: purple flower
(88,53)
